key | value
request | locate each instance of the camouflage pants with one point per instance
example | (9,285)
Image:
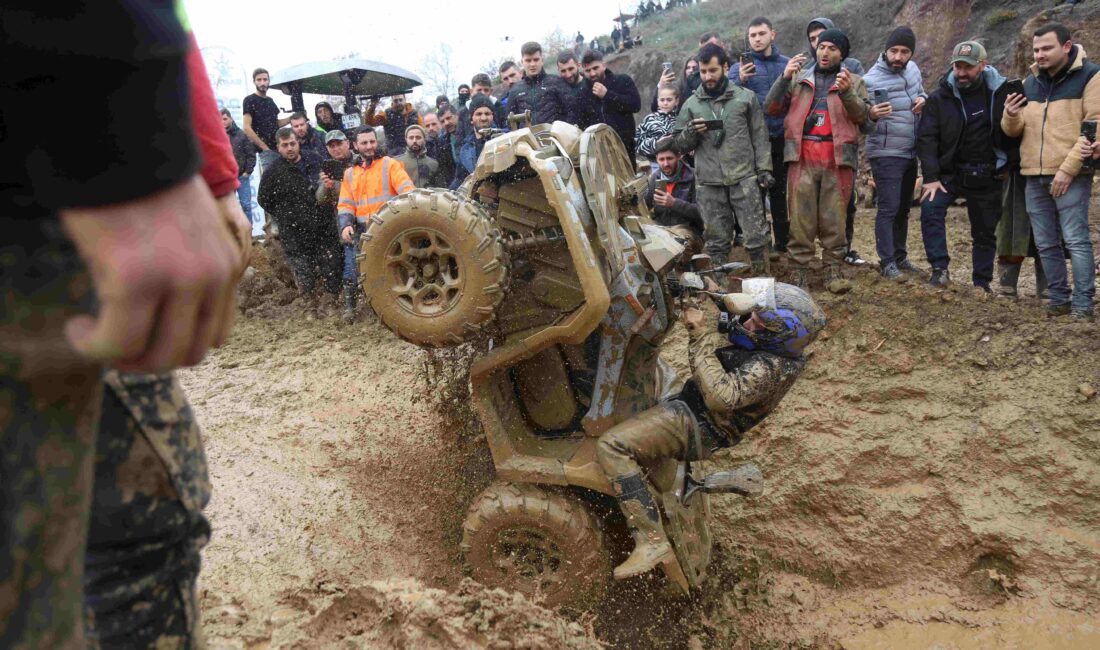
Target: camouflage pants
(725,206)
(817,201)
(144,532)
(668,430)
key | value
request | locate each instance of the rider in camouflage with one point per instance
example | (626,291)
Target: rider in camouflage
(738,376)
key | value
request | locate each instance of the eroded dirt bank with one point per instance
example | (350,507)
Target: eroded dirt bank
(932,482)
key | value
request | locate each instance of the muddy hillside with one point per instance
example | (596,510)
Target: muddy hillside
(931,481)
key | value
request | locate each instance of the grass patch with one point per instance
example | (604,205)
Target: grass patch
(1001,16)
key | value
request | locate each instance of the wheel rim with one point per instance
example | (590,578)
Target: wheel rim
(424,272)
(529,555)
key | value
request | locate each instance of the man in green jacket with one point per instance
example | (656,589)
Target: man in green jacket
(732,163)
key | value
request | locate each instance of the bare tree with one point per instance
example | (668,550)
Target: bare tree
(556,42)
(438,71)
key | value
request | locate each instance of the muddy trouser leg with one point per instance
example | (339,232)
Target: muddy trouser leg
(332,265)
(147,528)
(49,407)
(748,211)
(714,200)
(802,191)
(661,432)
(836,190)
(781,225)
(304,267)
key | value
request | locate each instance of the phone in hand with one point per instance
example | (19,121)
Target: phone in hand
(1014,87)
(881,95)
(334,169)
(746,58)
(667,66)
(1088,129)
(713,125)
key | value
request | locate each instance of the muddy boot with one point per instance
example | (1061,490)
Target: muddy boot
(759,259)
(351,302)
(835,281)
(651,547)
(800,278)
(1010,277)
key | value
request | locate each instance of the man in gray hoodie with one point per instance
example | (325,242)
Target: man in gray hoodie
(898,97)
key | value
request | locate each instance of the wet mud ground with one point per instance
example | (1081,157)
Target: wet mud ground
(932,482)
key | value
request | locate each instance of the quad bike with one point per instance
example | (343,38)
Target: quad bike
(549,251)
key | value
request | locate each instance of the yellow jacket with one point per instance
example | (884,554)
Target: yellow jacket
(1051,121)
(366,188)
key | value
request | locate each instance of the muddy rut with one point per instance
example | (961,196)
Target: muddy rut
(932,481)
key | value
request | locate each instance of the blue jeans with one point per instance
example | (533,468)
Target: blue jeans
(1065,218)
(983,206)
(351,268)
(895,179)
(244,195)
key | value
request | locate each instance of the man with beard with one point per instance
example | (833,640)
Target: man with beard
(892,148)
(309,138)
(611,99)
(758,75)
(421,168)
(245,154)
(732,162)
(446,147)
(825,107)
(327,119)
(481,117)
(547,97)
(570,72)
(671,194)
(261,119)
(957,142)
(394,120)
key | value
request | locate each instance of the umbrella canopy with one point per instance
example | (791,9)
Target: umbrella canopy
(328,77)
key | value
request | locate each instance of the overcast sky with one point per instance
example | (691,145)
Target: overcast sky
(276,33)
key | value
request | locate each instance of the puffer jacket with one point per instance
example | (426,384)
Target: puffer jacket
(548,98)
(739,150)
(768,69)
(243,149)
(1051,122)
(654,126)
(847,113)
(895,136)
(942,122)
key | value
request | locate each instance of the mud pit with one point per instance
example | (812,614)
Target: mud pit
(931,482)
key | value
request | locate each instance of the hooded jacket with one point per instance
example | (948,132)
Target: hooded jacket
(337,118)
(895,136)
(1051,122)
(850,64)
(685,211)
(548,98)
(847,114)
(943,122)
(243,149)
(768,69)
(737,152)
(615,109)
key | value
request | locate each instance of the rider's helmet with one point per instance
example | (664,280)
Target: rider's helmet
(792,320)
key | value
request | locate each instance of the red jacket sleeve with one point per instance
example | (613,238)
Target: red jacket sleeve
(219,167)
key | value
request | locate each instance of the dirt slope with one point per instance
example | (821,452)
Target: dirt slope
(931,481)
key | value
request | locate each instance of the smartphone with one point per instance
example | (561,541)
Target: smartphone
(667,65)
(1014,86)
(334,169)
(1088,129)
(714,125)
(746,58)
(881,95)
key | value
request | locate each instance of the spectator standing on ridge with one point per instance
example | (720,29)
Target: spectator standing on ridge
(671,194)
(657,125)
(547,96)
(825,107)
(731,163)
(422,169)
(612,99)
(759,76)
(616,36)
(957,143)
(1062,90)
(245,154)
(309,139)
(892,148)
(261,119)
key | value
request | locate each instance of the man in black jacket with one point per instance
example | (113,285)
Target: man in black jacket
(306,229)
(671,194)
(958,146)
(245,154)
(547,97)
(612,99)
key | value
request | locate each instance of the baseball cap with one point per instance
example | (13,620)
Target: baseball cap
(970,52)
(335,134)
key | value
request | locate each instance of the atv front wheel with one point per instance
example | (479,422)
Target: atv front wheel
(539,543)
(432,267)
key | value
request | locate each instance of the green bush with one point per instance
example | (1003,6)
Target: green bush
(1002,16)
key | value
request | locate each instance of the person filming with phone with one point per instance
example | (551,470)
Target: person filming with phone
(724,125)
(1060,101)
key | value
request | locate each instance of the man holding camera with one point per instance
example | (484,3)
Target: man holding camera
(724,125)
(1062,91)
(957,143)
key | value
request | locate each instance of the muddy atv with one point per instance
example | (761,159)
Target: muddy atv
(549,252)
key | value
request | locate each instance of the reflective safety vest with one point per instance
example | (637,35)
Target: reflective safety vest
(365,190)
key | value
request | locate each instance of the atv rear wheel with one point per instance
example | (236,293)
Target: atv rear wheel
(525,538)
(432,267)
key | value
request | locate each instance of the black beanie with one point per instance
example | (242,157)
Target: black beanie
(837,38)
(479,101)
(903,36)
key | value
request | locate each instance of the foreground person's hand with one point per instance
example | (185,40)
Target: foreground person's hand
(164,269)
(240,228)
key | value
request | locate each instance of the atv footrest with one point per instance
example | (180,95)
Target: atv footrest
(746,480)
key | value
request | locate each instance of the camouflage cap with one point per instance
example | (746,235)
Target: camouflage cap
(970,52)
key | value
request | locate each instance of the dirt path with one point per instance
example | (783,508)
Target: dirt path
(931,483)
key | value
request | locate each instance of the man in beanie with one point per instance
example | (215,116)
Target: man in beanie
(958,143)
(671,194)
(422,169)
(826,106)
(482,116)
(898,97)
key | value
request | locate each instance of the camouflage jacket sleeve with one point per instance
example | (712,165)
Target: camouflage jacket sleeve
(687,138)
(727,392)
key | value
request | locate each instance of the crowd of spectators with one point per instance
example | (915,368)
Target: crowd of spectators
(753,149)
